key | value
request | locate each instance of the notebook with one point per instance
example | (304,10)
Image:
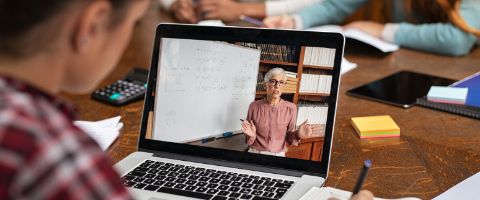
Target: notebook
(201,81)
(104,132)
(472,105)
(360,36)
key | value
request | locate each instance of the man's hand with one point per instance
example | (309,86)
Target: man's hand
(184,11)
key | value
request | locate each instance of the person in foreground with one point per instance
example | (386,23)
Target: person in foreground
(448,27)
(48,47)
(270,123)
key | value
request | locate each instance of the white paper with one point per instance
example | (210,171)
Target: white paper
(361,36)
(347,66)
(467,189)
(104,132)
(211,23)
(316,193)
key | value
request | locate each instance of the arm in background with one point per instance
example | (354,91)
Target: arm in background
(327,12)
(282,7)
(442,38)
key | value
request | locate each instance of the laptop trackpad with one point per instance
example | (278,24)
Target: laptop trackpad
(303,185)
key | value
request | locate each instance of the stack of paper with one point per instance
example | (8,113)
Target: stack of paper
(375,127)
(347,66)
(451,95)
(104,132)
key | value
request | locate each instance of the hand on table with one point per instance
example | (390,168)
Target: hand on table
(184,11)
(225,10)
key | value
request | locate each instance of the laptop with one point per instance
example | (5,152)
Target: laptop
(201,82)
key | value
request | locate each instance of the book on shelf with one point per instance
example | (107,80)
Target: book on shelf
(275,53)
(472,104)
(358,35)
(315,83)
(316,113)
(291,75)
(319,56)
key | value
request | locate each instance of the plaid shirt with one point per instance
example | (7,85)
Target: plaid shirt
(43,155)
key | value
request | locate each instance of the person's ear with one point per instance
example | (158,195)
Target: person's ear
(91,22)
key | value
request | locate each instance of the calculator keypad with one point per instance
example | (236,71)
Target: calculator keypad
(120,93)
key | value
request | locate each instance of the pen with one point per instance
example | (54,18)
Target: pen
(209,139)
(244,120)
(251,20)
(363,175)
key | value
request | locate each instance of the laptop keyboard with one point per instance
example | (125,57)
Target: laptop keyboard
(203,183)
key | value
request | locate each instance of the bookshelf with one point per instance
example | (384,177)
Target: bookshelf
(308,82)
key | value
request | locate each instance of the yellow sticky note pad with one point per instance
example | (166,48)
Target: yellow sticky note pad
(375,126)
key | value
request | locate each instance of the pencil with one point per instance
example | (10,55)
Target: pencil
(251,20)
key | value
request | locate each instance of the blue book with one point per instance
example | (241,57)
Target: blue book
(473,84)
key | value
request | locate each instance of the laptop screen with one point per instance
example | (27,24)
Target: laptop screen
(247,95)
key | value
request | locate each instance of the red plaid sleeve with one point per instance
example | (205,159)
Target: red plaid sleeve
(44,156)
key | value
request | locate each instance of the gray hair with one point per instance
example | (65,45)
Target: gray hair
(275,71)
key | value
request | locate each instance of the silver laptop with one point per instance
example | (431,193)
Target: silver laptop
(201,83)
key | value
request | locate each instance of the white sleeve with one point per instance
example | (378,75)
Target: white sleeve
(166,3)
(298,22)
(282,7)
(388,33)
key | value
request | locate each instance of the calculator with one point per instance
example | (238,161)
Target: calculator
(123,92)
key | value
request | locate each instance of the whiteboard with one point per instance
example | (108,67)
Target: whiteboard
(203,88)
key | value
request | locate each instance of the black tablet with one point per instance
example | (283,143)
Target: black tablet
(399,89)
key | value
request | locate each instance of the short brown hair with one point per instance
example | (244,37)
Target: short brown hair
(441,11)
(18,19)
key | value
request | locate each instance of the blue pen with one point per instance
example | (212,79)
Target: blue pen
(363,175)
(251,20)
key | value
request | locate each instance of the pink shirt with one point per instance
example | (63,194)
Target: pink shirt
(275,125)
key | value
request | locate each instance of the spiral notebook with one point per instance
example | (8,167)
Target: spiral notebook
(472,104)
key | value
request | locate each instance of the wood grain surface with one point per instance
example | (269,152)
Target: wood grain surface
(436,150)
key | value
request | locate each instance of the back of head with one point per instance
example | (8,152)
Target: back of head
(27,26)
(443,11)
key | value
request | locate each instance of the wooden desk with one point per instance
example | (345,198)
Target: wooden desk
(436,149)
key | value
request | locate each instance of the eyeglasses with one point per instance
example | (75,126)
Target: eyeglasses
(273,82)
